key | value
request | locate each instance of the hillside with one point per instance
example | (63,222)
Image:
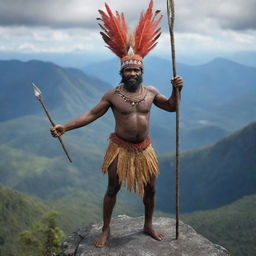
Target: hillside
(164,137)
(233,226)
(212,176)
(18,212)
(81,208)
(67,91)
(49,176)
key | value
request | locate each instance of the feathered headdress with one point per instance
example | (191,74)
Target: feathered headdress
(130,48)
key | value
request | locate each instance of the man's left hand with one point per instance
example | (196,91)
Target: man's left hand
(177,82)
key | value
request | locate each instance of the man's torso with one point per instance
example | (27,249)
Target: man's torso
(132,120)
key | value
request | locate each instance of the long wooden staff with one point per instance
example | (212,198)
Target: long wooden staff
(171,16)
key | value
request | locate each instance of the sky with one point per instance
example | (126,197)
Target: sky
(202,27)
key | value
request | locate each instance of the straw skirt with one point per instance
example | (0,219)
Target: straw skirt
(136,162)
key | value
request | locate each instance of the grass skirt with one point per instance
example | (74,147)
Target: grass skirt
(136,162)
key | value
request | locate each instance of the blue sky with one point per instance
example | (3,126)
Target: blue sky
(202,27)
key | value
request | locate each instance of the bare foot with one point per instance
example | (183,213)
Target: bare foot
(153,233)
(100,242)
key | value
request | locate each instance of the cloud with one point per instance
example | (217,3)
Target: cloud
(205,15)
(238,15)
(62,13)
(190,15)
(57,13)
(49,40)
(70,25)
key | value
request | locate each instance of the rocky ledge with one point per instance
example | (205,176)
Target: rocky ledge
(127,239)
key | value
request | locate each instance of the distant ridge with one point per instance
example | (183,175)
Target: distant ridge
(66,90)
(225,61)
(212,176)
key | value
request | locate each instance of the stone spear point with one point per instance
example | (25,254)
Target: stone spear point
(39,96)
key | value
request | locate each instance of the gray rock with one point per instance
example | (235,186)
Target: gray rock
(127,239)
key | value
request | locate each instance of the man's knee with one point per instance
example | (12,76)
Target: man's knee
(113,190)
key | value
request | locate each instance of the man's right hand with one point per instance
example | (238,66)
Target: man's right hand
(57,130)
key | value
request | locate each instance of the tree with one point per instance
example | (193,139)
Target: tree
(44,239)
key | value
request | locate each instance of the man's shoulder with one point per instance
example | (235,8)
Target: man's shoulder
(151,89)
(109,93)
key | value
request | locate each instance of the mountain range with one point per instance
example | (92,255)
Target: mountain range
(25,158)
(68,92)
(217,168)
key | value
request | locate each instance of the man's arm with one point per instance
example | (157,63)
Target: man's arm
(168,104)
(99,110)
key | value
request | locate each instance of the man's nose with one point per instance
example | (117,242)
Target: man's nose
(132,73)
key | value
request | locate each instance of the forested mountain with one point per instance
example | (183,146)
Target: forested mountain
(232,226)
(67,91)
(212,176)
(18,212)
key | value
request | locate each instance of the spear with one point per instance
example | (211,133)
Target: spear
(171,16)
(39,96)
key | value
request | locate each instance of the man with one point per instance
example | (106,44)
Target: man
(130,158)
(132,125)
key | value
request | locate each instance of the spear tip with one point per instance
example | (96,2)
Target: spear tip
(37,91)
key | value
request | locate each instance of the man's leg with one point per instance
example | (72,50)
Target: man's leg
(109,203)
(149,203)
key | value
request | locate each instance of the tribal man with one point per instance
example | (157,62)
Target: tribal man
(130,158)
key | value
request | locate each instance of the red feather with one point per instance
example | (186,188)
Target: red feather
(147,31)
(114,32)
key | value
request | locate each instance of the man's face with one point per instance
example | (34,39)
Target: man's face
(131,77)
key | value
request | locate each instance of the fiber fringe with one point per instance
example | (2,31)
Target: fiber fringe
(134,168)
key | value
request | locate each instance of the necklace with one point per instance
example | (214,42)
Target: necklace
(131,100)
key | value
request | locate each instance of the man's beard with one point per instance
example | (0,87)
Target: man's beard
(131,83)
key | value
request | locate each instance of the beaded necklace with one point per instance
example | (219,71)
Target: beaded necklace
(132,101)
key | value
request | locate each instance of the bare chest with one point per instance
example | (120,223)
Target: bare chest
(128,104)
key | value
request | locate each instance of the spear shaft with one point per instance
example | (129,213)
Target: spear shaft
(38,95)
(171,16)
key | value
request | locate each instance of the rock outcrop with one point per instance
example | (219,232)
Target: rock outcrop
(127,239)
